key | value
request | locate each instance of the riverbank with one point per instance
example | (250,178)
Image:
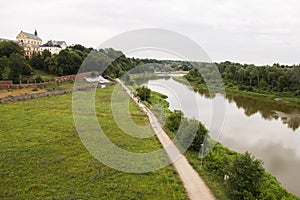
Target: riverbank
(278,97)
(216,165)
(194,185)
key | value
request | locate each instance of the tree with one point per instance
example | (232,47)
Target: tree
(246,177)
(241,74)
(19,67)
(199,138)
(144,93)
(8,48)
(173,121)
(36,61)
(45,55)
(78,47)
(282,82)
(4,68)
(95,61)
(53,67)
(69,61)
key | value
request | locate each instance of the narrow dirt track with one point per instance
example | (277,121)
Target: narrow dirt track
(194,185)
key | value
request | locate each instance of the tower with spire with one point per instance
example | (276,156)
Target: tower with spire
(30,42)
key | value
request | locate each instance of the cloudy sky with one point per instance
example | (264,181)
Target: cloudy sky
(246,31)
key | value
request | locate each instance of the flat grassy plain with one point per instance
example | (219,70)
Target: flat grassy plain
(42,156)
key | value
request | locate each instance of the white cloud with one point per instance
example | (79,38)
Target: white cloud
(246,31)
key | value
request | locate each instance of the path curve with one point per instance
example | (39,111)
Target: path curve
(194,185)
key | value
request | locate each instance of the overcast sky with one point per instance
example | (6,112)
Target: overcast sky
(246,31)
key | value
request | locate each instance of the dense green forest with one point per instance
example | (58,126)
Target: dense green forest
(277,78)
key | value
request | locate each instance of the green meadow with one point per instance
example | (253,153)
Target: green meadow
(42,156)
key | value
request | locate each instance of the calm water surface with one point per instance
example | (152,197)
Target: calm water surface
(267,129)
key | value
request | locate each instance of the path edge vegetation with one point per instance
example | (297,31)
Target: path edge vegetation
(247,177)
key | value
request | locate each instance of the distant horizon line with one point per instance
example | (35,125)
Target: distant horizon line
(161,59)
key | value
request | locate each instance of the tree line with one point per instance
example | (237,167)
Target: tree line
(248,77)
(15,66)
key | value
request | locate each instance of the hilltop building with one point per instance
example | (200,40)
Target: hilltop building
(54,46)
(30,42)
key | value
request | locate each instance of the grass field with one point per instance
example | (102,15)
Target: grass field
(40,73)
(42,156)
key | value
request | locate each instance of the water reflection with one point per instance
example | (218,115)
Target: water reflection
(268,129)
(268,109)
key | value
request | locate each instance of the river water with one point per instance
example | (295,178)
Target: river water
(268,129)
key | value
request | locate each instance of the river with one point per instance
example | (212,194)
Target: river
(268,129)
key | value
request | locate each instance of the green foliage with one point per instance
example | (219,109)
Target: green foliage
(201,133)
(173,121)
(4,68)
(96,61)
(246,177)
(37,61)
(68,61)
(190,133)
(8,48)
(52,66)
(143,93)
(159,99)
(18,67)
(78,47)
(106,61)
(38,79)
(13,65)
(278,80)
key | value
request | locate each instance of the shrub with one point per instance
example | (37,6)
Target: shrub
(38,79)
(144,93)
(246,177)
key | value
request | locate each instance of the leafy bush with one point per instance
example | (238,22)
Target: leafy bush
(38,79)
(144,93)
(174,120)
(246,176)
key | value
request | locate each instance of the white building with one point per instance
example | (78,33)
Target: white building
(54,46)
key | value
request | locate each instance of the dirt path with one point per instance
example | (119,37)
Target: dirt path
(194,185)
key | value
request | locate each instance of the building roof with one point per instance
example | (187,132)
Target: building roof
(31,36)
(98,79)
(60,42)
(54,43)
